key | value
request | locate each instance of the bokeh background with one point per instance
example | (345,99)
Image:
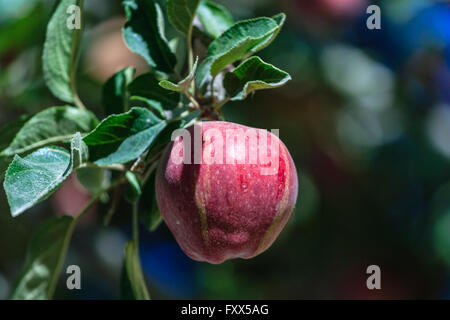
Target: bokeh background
(366,119)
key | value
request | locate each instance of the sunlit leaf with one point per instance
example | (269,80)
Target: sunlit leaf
(279,19)
(238,42)
(123,137)
(182,85)
(52,125)
(251,75)
(214,17)
(61,51)
(34,178)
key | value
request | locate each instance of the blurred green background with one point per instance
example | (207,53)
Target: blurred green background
(366,119)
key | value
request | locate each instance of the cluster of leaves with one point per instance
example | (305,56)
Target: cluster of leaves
(47,147)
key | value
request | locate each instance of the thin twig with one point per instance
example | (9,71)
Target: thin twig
(192,100)
(113,207)
(221,115)
(150,170)
(190,51)
(77,101)
(135,224)
(221,104)
(97,197)
(213,97)
(118,167)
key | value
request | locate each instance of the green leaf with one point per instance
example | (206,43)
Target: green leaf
(279,19)
(94,179)
(46,253)
(61,51)
(144,34)
(123,137)
(79,151)
(184,84)
(169,85)
(134,191)
(10,130)
(34,178)
(146,88)
(7,134)
(132,282)
(200,35)
(181,14)
(174,44)
(251,75)
(179,48)
(52,125)
(240,41)
(22,28)
(149,214)
(115,92)
(165,137)
(4,162)
(214,17)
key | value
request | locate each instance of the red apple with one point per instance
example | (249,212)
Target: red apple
(229,205)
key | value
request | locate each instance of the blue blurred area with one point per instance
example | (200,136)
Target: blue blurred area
(169,269)
(398,39)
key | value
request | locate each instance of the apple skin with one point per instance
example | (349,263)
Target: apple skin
(223,211)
